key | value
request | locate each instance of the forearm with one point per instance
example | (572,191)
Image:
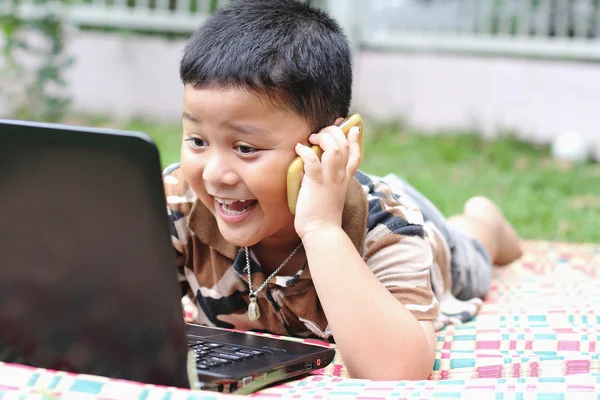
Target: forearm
(376,335)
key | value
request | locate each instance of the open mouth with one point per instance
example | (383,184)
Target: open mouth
(235,207)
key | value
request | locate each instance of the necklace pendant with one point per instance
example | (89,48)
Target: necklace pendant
(253,310)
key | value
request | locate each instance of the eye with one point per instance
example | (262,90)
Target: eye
(197,142)
(246,150)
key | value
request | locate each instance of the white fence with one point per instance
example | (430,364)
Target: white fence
(176,16)
(536,98)
(523,18)
(544,28)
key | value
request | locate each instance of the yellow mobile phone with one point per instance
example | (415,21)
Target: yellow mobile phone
(294,174)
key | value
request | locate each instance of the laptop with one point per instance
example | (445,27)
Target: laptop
(87,277)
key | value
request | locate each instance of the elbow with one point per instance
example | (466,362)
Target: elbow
(417,373)
(402,370)
(401,365)
(393,375)
(395,363)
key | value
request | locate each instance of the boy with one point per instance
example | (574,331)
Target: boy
(263,80)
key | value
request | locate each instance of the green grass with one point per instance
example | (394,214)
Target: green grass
(543,198)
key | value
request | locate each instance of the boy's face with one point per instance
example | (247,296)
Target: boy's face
(237,146)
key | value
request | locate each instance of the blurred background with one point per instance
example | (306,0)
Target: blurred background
(460,97)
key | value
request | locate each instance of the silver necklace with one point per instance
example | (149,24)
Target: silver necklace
(253,310)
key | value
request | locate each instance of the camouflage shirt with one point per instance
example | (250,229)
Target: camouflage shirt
(401,251)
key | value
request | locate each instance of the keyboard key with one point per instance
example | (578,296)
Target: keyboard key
(225,356)
(202,366)
(252,352)
(204,348)
(225,351)
(219,360)
(201,355)
(206,361)
(211,354)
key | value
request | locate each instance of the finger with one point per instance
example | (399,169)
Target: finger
(331,160)
(312,165)
(354,153)
(340,138)
(343,144)
(342,141)
(333,131)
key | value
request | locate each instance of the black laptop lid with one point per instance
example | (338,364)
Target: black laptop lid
(87,277)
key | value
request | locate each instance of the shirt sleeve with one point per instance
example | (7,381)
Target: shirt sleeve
(398,252)
(179,257)
(180,200)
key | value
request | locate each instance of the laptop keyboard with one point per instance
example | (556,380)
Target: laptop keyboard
(210,354)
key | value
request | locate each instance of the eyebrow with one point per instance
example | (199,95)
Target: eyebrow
(190,117)
(246,129)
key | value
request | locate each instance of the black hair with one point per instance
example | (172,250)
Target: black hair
(294,53)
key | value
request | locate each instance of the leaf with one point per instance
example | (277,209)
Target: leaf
(35,101)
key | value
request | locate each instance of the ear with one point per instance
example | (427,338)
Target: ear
(338,120)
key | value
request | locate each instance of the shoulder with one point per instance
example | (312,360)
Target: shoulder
(180,199)
(388,212)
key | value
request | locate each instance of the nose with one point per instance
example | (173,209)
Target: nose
(218,171)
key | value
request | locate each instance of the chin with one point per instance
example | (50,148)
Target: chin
(240,239)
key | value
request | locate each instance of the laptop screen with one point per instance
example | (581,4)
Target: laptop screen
(87,278)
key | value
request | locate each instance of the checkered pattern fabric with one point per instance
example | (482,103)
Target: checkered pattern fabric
(536,337)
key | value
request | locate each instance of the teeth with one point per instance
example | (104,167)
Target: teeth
(226,203)
(223,201)
(229,211)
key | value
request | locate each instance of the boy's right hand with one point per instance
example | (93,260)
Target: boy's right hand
(325,181)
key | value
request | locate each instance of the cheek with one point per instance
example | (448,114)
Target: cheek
(192,169)
(192,173)
(269,186)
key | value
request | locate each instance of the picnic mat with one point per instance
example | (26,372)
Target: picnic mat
(537,336)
